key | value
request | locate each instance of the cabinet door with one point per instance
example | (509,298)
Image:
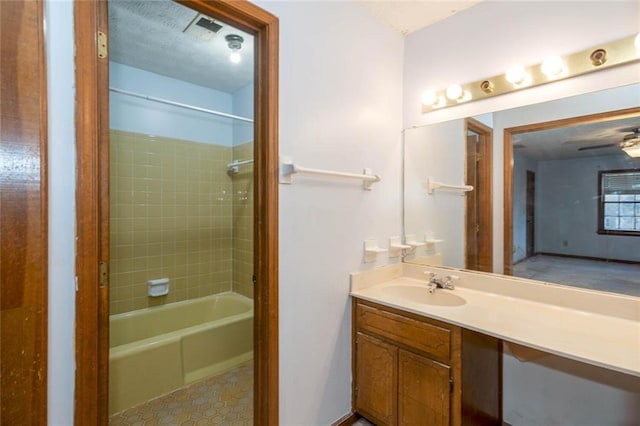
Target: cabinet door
(376,380)
(424,391)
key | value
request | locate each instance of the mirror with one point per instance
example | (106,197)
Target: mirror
(567,158)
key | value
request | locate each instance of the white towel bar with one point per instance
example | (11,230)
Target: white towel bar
(432,185)
(288,169)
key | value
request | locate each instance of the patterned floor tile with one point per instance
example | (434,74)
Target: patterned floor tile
(226,399)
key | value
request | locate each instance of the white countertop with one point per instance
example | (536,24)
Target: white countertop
(576,332)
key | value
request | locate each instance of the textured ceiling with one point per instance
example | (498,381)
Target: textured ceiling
(408,16)
(149,35)
(563,142)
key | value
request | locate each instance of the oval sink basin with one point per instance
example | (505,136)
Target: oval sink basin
(417,294)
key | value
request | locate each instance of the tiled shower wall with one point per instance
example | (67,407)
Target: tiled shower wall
(243,222)
(172,206)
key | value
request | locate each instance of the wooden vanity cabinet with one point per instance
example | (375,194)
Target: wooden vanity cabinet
(408,370)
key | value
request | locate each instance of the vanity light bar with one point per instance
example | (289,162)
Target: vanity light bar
(619,52)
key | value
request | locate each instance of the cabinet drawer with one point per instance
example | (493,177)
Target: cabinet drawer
(424,337)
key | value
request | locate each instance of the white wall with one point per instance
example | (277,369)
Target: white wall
(243,107)
(340,109)
(137,115)
(521,165)
(567,209)
(439,215)
(485,40)
(558,391)
(61,168)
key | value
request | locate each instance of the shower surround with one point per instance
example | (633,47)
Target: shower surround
(176,213)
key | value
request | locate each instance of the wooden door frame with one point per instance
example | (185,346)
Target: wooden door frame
(508,165)
(531,242)
(92,126)
(484,192)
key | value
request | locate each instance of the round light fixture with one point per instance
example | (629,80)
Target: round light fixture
(235,57)
(552,66)
(234,42)
(429,98)
(516,75)
(454,91)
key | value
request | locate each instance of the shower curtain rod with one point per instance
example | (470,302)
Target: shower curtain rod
(181,105)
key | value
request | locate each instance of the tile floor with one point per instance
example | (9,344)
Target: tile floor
(226,399)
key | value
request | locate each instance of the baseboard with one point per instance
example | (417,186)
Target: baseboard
(347,420)
(600,259)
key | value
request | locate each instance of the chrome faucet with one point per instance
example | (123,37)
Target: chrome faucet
(435,282)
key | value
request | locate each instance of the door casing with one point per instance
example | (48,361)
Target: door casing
(92,205)
(479,202)
(531,213)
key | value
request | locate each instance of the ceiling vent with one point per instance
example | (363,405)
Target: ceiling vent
(202,28)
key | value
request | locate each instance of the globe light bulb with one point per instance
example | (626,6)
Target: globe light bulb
(516,75)
(235,57)
(429,98)
(552,66)
(454,91)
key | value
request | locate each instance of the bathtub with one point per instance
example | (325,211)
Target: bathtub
(156,350)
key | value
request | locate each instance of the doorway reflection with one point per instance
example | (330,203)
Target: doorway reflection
(181,216)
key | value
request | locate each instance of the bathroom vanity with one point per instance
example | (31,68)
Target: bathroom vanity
(412,370)
(435,358)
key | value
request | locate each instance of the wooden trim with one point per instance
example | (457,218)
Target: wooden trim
(484,194)
(23,214)
(507,257)
(508,165)
(354,349)
(92,302)
(92,221)
(347,420)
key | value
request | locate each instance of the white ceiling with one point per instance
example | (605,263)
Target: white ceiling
(409,16)
(149,35)
(564,142)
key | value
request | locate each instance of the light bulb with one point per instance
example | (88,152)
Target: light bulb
(516,75)
(235,57)
(429,98)
(454,91)
(465,97)
(552,66)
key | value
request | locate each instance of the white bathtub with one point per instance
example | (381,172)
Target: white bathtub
(156,350)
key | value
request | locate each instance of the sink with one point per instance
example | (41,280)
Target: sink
(419,294)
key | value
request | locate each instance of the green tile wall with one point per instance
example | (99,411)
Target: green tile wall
(243,222)
(173,215)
